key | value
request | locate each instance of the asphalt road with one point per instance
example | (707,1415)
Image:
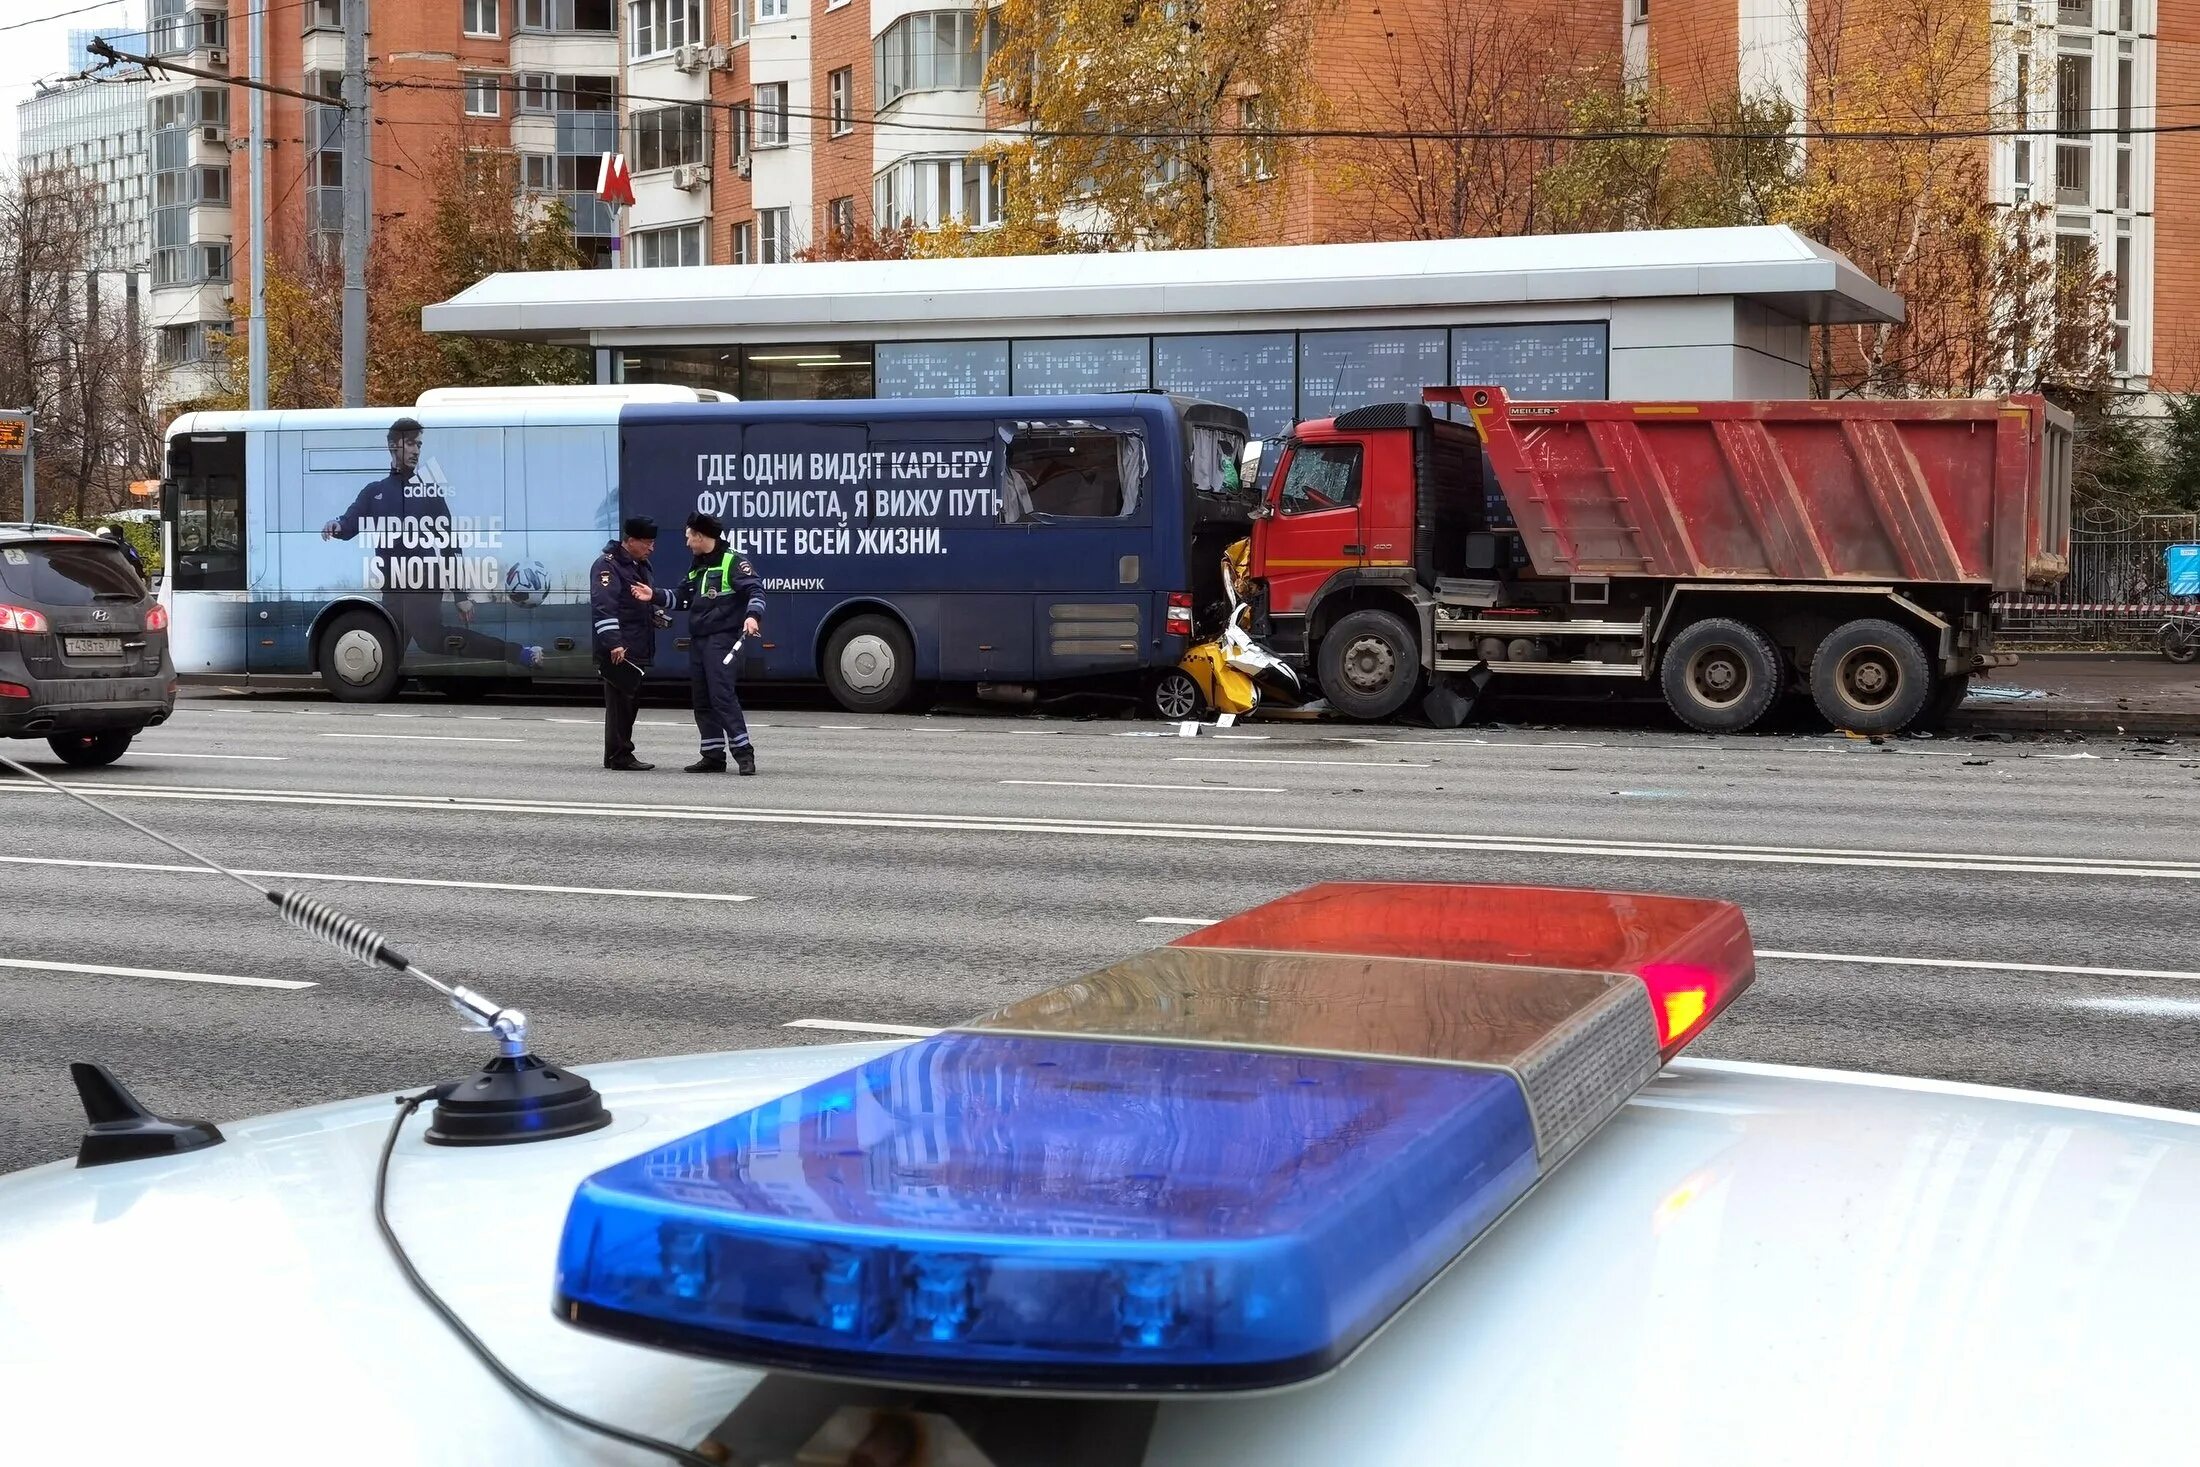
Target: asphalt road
(1919,905)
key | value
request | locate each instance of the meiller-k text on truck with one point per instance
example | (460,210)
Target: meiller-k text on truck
(1730,551)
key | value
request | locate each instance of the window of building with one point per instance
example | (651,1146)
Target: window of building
(1259,159)
(772,236)
(181,345)
(568,15)
(771,9)
(2073,121)
(2123,303)
(739,11)
(656,27)
(480,17)
(324,15)
(1322,476)
(839,87)
(743,238)
(771,115)
(840,218)
(926,193)
(737,123)
(1065,471)
(537,172)
(482,99)
(657,249)
(665,137)
(536,91)
(211,185)
(937,50)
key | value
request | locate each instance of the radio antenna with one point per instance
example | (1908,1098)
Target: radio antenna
(515,1097)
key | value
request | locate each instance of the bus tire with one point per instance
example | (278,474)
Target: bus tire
(870,666)
(1368,665)
(360,658)
(1870,677)
(1719,675)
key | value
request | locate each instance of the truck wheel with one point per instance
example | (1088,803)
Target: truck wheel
(1173,696)
(92,750)
(1719,675)
(1947,696)
(869,665)
(1869,677)
(1368,665)
(359,658)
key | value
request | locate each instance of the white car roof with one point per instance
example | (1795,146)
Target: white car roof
(1750,1264)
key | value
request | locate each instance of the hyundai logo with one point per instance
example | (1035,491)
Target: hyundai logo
(99,616)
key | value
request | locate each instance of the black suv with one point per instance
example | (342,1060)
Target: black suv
(83,645)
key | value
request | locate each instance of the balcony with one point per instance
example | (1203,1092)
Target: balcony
(2073,173)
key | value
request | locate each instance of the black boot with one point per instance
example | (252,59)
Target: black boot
(708,764)
(627,762)
(744,760)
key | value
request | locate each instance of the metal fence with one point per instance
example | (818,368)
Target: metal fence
(2117,591)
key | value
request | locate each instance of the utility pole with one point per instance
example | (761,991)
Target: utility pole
(256,171)
(356,217)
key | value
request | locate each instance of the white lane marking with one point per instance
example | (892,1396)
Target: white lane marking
(172,754)
(1163,830)
(1974,965)
(1177,921)
(424,738)
(1683,1065)
(355,879)
(1476,743)
(1321,763)
(105,971)
(845,1026)
(399,715)
(1095,784)
(841,727)
(589,721)
(2152,1008)
(1246,738)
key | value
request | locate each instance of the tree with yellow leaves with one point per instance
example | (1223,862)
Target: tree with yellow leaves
(1144,124)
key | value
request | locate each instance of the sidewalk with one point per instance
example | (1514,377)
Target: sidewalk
(2123,692)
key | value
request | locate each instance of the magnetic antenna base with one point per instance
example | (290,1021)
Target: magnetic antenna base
(510,1100)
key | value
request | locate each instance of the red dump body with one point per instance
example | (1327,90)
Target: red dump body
(1972,491)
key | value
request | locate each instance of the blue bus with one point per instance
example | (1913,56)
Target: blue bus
(1004,542)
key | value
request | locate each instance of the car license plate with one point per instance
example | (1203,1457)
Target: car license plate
(92,646)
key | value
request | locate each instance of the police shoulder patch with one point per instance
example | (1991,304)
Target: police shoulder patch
(604,579)
(746,568)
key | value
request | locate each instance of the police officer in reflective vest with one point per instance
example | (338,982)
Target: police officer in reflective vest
(627,608)
(724,601)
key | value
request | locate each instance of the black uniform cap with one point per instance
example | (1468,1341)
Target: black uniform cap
(706,524)
(641,527)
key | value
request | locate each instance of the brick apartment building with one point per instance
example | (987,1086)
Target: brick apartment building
(758,128)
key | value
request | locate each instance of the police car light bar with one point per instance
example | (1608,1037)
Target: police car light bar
(1220,1165)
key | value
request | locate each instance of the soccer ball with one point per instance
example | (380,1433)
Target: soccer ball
(528,584)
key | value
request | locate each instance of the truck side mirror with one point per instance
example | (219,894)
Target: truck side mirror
(1263,512)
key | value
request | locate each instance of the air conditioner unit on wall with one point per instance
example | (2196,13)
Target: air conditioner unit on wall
(744,165)
(690,58)
(217,57)
(721,58)
(690,176)
(212,132)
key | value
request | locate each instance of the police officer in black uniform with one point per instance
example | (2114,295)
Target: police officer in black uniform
(724,601)
(627,607)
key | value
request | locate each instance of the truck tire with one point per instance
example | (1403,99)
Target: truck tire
(1947,696)
(1368,665)
(1719,675)
(1870,677)
(870,667)
(360,658)
(92,750)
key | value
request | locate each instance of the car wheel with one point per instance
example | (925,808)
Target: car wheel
(1174,696)
(2176,643)
(1368,665)
(1719,675)
(92,750)
(359,658)
(869,665)
(1870,677)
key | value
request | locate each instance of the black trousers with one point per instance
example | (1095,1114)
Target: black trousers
(620,708)
(718,721)
(419,616)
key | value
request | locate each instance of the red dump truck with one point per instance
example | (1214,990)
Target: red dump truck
(1728,552)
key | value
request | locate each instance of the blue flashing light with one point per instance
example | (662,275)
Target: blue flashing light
(1016,1212)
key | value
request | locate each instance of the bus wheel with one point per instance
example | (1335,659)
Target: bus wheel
(1173,696)
(1870,677)
(1720,675)
(1368,665)
(869,665)
(359,658)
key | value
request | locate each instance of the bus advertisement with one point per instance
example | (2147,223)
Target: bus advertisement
(996,541)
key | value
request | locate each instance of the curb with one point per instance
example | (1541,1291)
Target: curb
(2092,718)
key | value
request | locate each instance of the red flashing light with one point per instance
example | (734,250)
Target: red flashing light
(156,620)
(1694,956)
(14,690)
(1180,612)
(23,619)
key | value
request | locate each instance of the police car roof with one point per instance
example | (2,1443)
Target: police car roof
(1750,1263)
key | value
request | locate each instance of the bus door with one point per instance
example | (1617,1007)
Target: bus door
(561,502)
(1084,487)
(205,513)
(976,578)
